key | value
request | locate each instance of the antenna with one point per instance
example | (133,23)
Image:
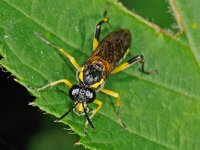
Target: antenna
(65,114)
(88,119)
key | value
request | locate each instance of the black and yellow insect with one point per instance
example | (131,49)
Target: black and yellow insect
(96,69)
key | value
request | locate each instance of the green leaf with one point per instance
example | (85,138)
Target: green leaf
(160,111)
(188,19)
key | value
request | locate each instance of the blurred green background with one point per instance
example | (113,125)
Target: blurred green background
(155,11)
(31,129)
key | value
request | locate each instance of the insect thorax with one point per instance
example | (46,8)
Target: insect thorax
(92,75)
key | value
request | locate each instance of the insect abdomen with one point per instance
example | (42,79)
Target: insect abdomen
(112,48)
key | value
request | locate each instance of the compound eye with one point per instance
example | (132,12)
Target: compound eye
(91,95)
(73,92)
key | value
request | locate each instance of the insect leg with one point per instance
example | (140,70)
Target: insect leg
(97,32)
(117,96)
(138,58)
(67,82)
(99,103)
(61,50)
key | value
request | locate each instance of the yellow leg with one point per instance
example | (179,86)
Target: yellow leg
(114,94)
(117,96)
(121,67)
(97,32)
(67,82)
(72,60)
(99,103)
(138,58)
(95,43)
(61,50)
